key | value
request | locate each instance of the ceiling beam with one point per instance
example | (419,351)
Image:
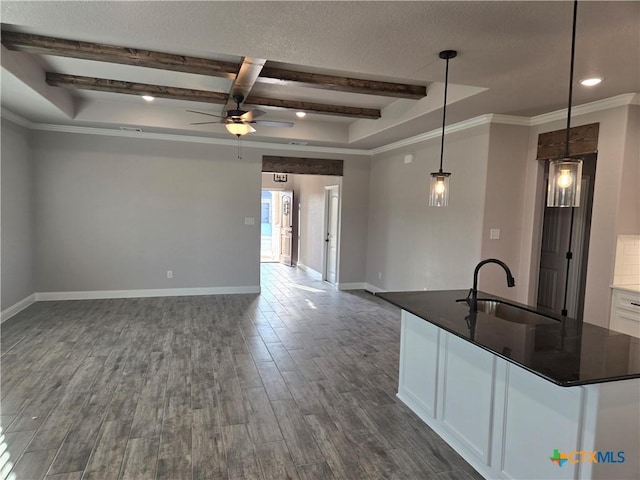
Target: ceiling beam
(109,53)
(43,45)
(132,88)
(342,84)
(246,79)
(187,94)
(338,110)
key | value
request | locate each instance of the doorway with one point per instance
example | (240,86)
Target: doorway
(332,225)
(276,226)
(559,225)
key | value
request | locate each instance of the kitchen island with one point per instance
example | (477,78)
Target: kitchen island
(521,399)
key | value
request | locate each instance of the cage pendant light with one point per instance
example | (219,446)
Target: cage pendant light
(439,196)
(565,174)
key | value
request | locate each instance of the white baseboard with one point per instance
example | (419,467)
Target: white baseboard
(316,275)
(159,292)
(370,287)
(352,286)
(16,308)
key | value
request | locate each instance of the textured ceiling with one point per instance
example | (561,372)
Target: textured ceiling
(513,59)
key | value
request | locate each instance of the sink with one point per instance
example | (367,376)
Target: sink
(512,313)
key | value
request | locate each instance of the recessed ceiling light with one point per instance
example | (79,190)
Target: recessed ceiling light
(301,114)
(148,98)
(590,82)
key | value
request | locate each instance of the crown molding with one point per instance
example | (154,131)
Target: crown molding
(17,119)
(599,105)
(455,127)
(192,139)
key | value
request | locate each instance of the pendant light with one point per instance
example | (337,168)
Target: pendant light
(439,196)
(565,174)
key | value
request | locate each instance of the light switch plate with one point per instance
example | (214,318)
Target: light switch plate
(408,158)
(249,221)
(494,234)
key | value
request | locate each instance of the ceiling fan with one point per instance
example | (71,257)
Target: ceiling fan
(238,122)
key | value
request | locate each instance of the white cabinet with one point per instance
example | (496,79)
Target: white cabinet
(506,421)
(625,311)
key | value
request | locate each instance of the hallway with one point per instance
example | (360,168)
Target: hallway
(297,382)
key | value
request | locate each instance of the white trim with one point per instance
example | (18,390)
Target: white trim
(246,143)
(16,308)
(373,289)
(313,273)
(456,127)
(17,119)
(159,292)
(597,106)
(510,120)
(352,286)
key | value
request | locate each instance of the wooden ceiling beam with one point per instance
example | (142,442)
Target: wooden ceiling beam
(109,53)
(281,76)
(187,94)
(338,110)
(43,45)
(132,88)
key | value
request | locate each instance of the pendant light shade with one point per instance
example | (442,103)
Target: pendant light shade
(239,129)
(439,196)
(565,175)
(439,189)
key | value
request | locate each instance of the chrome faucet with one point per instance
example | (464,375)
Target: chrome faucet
(472,298)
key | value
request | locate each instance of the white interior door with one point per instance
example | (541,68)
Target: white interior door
(286,226)
(332,215)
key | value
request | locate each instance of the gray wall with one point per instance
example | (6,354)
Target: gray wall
(629,204)
(503,207)
(117,213)
(412,246)
(17,216)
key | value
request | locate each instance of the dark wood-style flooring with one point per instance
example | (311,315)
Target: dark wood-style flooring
(296,383)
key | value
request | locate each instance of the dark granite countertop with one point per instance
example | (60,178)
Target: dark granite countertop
(565,352)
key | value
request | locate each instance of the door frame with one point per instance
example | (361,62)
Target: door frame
(580,241)
(327,199)
(584,141)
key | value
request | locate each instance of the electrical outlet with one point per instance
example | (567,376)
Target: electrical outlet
(169,273)
(494,234)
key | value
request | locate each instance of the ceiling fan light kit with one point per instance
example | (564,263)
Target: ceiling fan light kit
(239,129)
(439,192)
(565,174)
(238,122)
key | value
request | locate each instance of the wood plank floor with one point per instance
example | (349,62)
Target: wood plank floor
(296,383)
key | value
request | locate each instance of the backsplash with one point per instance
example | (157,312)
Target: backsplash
(627,267)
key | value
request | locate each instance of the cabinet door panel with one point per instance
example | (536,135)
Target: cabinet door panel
(468,373)
(418,364)
(532,402)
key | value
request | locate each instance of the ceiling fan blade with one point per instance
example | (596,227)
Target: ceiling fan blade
(251,114)
(202,123)
(271,123)
(203,113)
